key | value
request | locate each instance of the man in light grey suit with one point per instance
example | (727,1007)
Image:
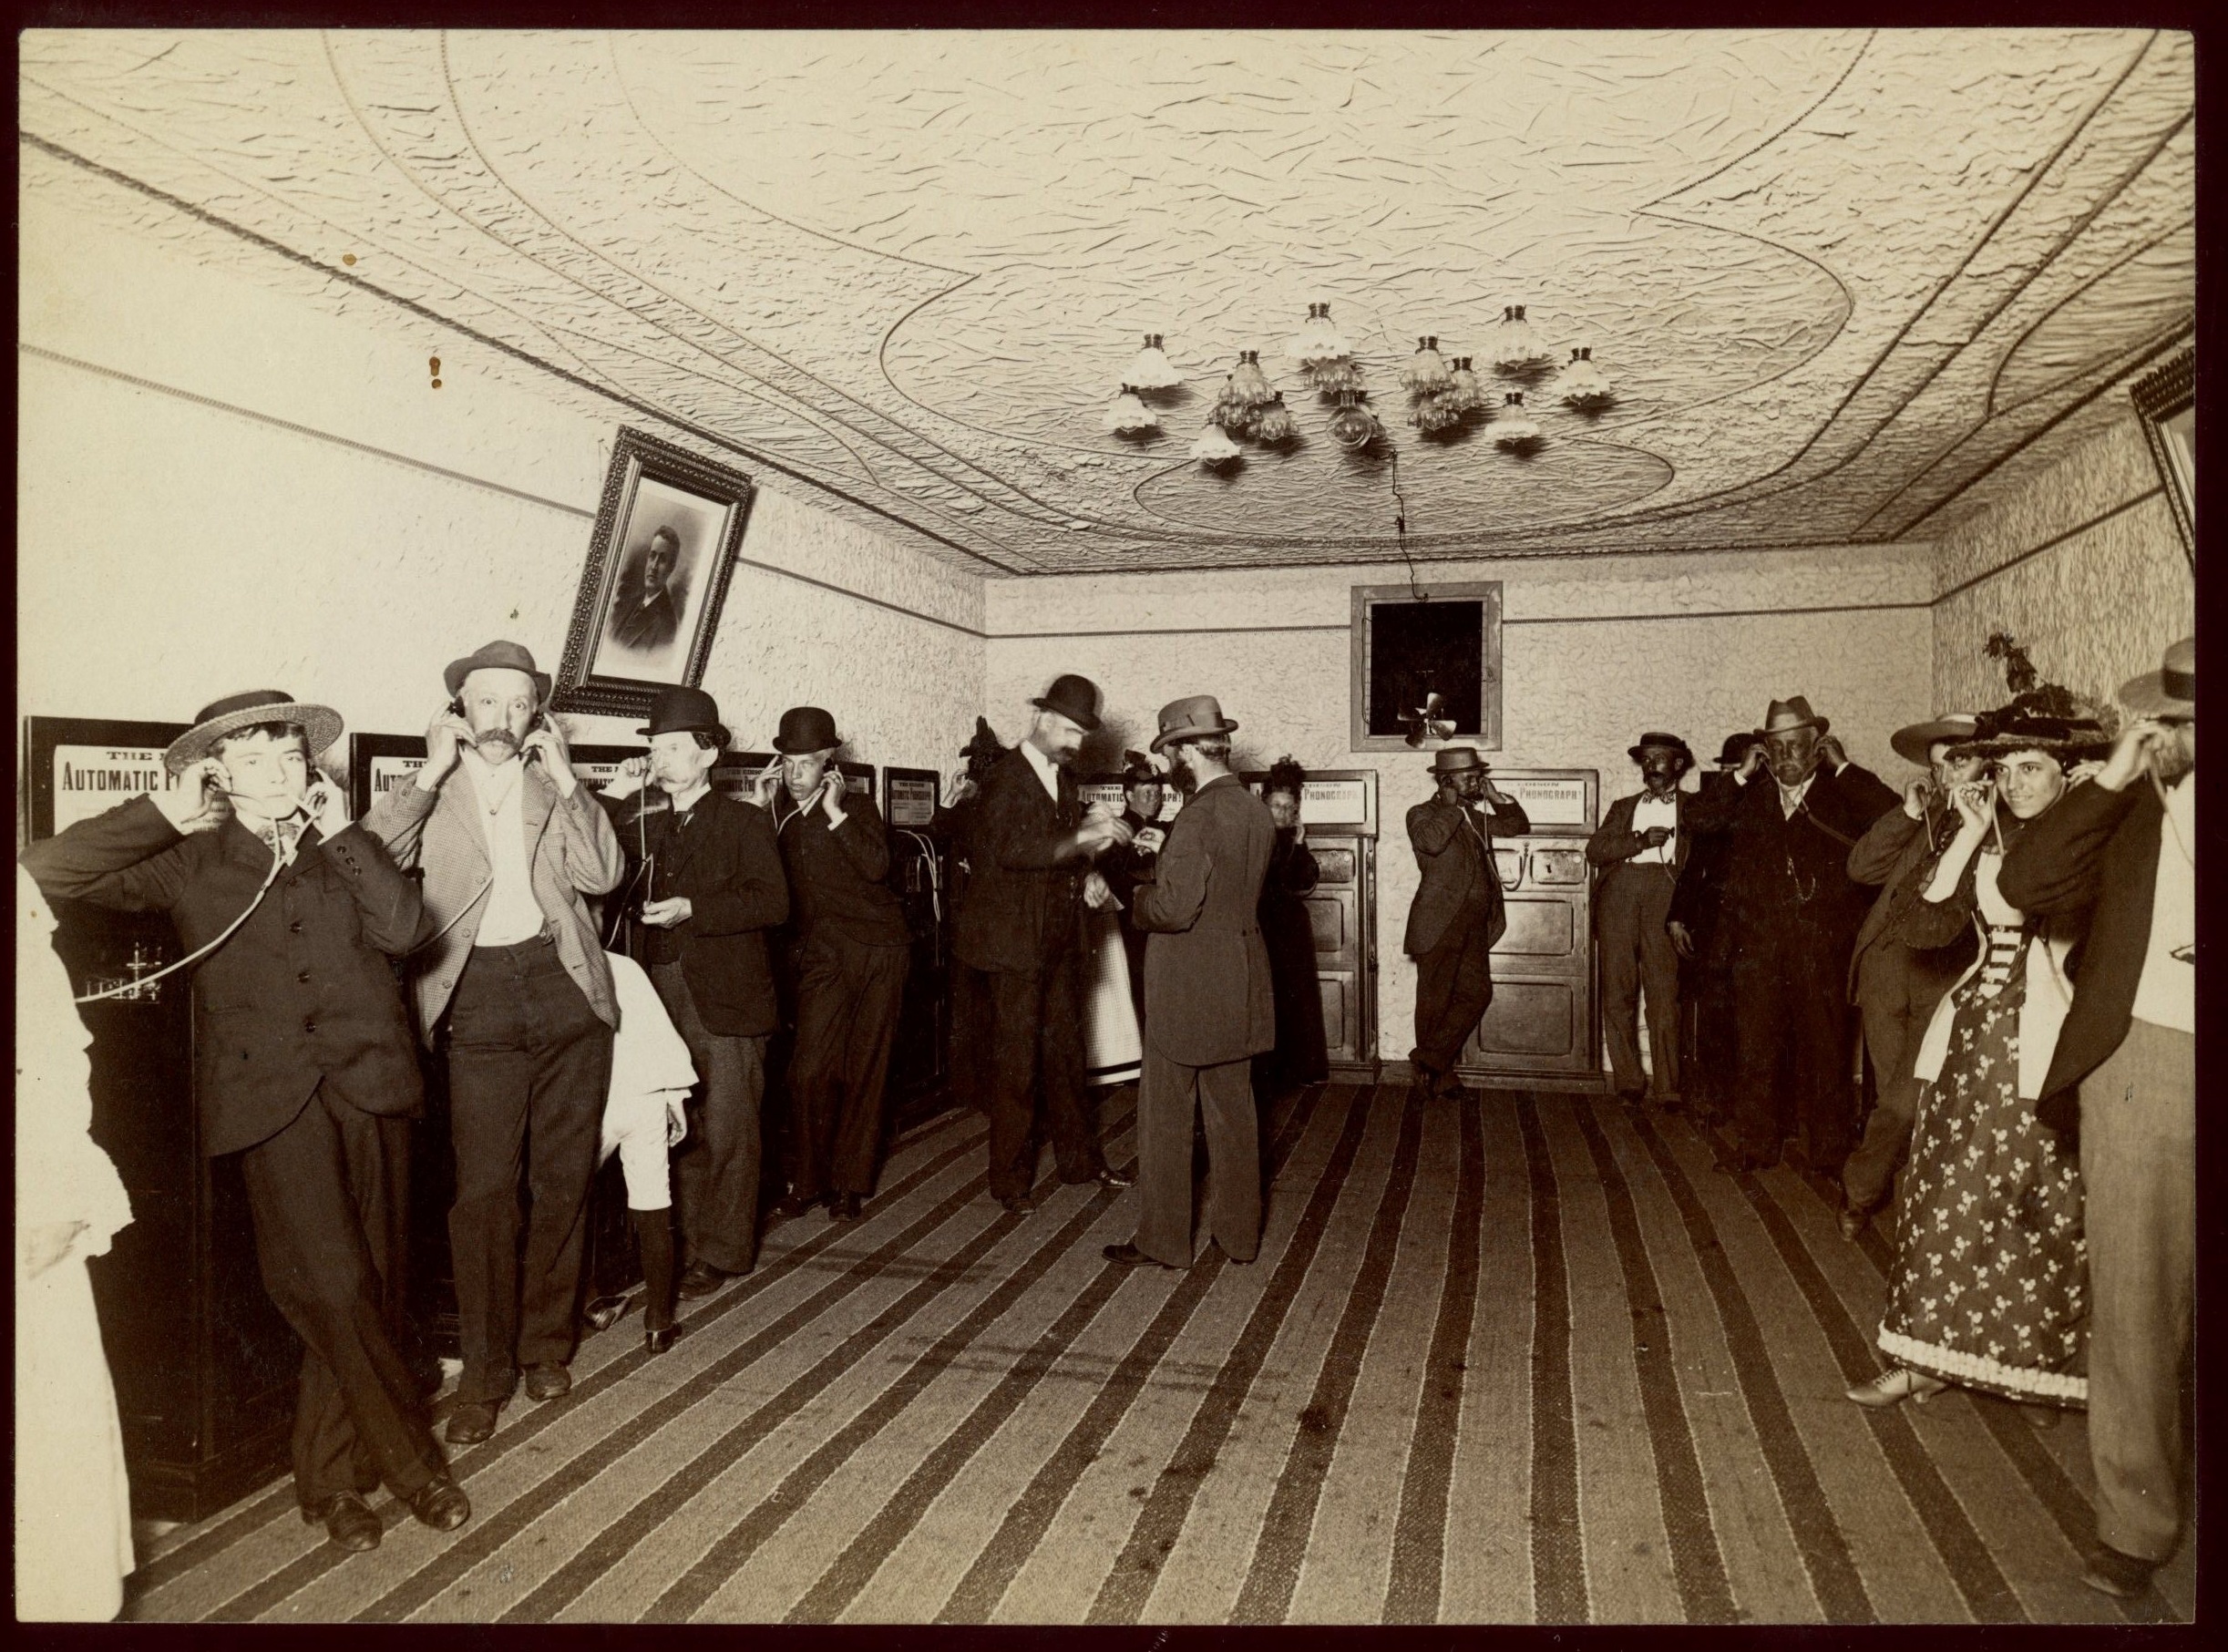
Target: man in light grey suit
(514,986)
(1210,1007)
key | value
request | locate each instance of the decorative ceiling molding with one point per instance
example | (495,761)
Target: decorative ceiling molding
(1835,275)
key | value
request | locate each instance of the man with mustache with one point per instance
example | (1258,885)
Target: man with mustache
(1638,851)
(1458,912)
(515,988)
(1792,912)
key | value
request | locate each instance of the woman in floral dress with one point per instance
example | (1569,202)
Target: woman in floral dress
(1990,1284)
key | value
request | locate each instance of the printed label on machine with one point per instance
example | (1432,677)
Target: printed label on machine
(91,780)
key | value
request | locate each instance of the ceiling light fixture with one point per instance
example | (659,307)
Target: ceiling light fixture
(1130,417)
(1150,368)
(1516,429)
(1584,385)
(1214,449)
(1516,348)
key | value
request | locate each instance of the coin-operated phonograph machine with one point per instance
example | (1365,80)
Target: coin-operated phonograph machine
(205,1368)
(1543,1030)
(377,763)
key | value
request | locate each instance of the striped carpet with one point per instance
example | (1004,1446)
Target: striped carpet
(1511,1359)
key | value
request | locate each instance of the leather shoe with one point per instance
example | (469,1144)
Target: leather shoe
(1853,1221)
(548,1382)
(348,1522)
(604,1312)
(699,1279)
(1113,1179)
(796,1205)
(1129,1256)
(658,1341)
(2122,1576)
(472,1421)
(1019,1205)
(440,1504)
(846,1208)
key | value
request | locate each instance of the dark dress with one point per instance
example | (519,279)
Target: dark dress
(1299,1057)
(1990,1283)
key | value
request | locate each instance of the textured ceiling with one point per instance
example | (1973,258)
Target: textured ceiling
(1833,275)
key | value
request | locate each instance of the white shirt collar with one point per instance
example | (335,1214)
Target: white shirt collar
(494,782)
(1047,770)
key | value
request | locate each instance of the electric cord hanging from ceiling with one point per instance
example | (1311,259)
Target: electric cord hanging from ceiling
(1400,527)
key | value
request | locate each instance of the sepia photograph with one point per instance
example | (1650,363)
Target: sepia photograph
(1186,829)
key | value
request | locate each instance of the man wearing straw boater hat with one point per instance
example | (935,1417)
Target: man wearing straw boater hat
(1210,1004)
(2123,848)
(1458,913)
(1020,932)
(515,988)
(1895,986)
(853,950)
(1791,914)
(305,1064)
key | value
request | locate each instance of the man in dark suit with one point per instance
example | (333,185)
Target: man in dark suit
(1211,1006)
(1791,914)
(1705,962)
(1639,850)
(2123,848)
(708,876)
(1895,986)
(305,1064)
(1021,933)
(853,947)
(1458,914)
(644,618)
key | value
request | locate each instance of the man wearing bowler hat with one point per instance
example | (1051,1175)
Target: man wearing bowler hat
(1895,986)
(305,1066)
(1210,1004)
(1019,932)
(1638,851)
(1458,913)
(707,886)
(853,949)
(515,988)
(2123,848)
(1790,913)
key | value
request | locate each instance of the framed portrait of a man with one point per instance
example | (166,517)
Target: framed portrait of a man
(666,537)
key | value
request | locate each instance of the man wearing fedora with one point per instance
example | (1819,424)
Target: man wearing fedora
(1209,1001)
(1705,962)
(1897,987)
(1458,913)
(1791,914)
(1020,930)
(305,1064)
(709,880)
(515,988)
(853,949)
(1640,851)
(2123,848)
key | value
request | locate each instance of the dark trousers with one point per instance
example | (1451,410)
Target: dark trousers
(1453,987)
(1636,953)
(529,1062)
(1036,1061)
(328,1195)
(1792,1077)
(716,1168)
(847,997)
(1896,992)
(1708,1065)
(1170,1095)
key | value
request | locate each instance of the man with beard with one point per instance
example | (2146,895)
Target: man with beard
(853,949)
(515,987)
(1792,912)
(1639,850)
(1210,999)
(1020,934)
(305,1064)
(711,886)
(1897,987)
(1458,913)
(1705,962)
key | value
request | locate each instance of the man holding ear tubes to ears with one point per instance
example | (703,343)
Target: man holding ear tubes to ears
(304,1061)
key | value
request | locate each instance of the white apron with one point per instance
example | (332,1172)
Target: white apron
(1113,1051)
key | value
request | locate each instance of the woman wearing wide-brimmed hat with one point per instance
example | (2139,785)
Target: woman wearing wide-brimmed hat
(1990,1283)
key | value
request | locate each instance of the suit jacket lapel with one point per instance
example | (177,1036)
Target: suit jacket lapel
(681,844)
(466,814)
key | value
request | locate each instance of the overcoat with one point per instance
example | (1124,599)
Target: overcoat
(1208,995)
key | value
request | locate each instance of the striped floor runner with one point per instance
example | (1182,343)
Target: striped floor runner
(1507,1360)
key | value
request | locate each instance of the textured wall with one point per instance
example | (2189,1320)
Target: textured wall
(1592,656)
(2078,559)
(311,514)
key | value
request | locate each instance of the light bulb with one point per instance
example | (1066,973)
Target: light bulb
(1464,386)
(1353,425)
(1425,372)
(1275,425)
